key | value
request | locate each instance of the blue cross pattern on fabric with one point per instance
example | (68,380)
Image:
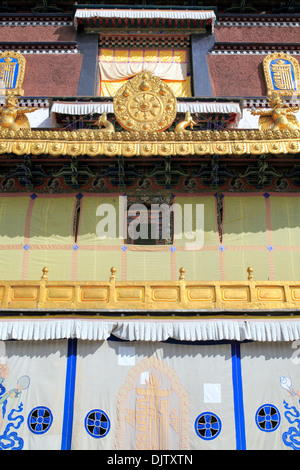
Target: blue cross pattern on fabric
(40,420)
(97,423)
(208,426)
(267,418)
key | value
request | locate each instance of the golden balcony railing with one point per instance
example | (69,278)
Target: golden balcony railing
(193,297)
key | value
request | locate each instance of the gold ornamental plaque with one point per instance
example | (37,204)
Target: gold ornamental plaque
(145,103)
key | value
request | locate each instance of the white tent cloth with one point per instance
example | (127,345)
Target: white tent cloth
(142,13)
(151,330)
(81,108)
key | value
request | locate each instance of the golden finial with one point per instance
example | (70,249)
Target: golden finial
(250,274)
(182,273)
(45,272)
(113,271)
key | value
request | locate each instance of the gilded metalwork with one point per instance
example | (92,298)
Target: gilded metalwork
(13,117)
(187,122)
(282,74)
(227,297)
(12,71)
(145,103)
(146,107)
(279,117)
(250,274)
(147,144)
(104,122)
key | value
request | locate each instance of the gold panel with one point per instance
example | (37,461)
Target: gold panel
(165,294)
(57,148)
(20,147)
(235,293)
(94,293)
(132,294)
(8,70)
(201,149)
(38,148)
(282,74)
(61,293)
(201,294)
(270,293)
(93,149)
(111,149)
(24,293)
(184,149)
(148,149)
(165,149)
(295,293)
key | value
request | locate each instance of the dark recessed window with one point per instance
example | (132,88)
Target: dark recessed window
(151,225)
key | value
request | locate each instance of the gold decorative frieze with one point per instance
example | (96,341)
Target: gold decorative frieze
(134,144)
(213,297)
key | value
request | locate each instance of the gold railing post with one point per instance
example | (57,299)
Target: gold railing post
(182,285)
(112,285)
(252,287)
(43,288)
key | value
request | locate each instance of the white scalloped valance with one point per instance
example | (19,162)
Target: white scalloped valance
(76,108)
(206,107)
(143,13)
(151,330)
(81,109)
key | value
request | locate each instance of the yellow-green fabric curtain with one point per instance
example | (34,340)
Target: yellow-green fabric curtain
(254,229)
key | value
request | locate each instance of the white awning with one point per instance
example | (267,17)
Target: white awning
(151,330)
(81,109)
(208,107)
(76,108)
(86,13)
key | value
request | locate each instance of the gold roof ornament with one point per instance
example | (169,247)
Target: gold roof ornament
(45,273)
(187,122)
(12,72)
(145,103)
(12,116)
(279,117)
(103,122)
(282,74)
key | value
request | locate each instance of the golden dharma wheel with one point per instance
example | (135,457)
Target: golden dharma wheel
(145,103)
